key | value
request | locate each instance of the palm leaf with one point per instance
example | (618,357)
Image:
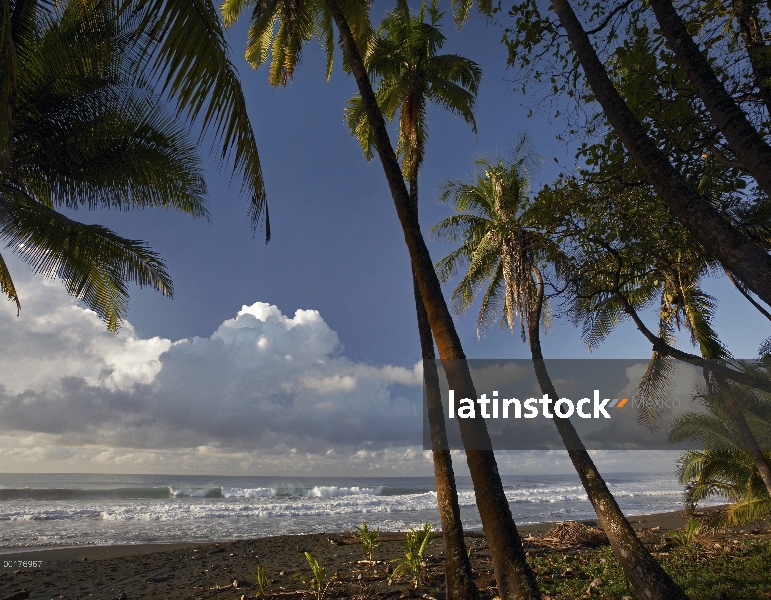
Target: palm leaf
(748,511)
(654,388)
(129,153)
(6,285)
(712,432)
(356,120)
(94,263)
(185,48)
(470,228)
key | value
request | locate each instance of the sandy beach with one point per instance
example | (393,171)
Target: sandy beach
(225,570)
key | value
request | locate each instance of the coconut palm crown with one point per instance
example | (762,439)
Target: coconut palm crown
(403,60)
(85,133)
(724,467)
(279,29)
(499,247)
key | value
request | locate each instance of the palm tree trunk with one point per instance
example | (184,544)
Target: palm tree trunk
(647,577)
(757,49)
(458,577)
(749,146)
(748,261)
(514,577)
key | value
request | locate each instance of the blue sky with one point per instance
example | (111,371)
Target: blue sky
(337,246)
(337,249)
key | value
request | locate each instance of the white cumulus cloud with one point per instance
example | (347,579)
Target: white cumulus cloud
(262,381)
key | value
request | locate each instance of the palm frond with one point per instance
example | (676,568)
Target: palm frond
(449,266)
(748,510)
(712,432)
(458,70)
(125,153)
(261,29)
(482,265)
(464,226)
(356,120)
(454,99)
(6,285)
(461,10)
(493,302)
(700,308)
(601,320)
(95,264)
(654,388)
(185,48)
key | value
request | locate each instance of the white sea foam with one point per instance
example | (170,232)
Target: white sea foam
(137,509)
(320,501)
(331,491)
(193,492)
(263,492)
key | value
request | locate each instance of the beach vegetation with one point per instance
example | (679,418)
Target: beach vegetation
(369,540)
(263,581)
(412,563)
(686,536)
(724,466)
(730,473)
(321,579)
(740,570)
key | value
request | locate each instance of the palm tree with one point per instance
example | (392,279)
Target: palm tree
(504,252)
(85,133)
(403,59)
(727,473)
(683,301)
(724,467)
(513,574)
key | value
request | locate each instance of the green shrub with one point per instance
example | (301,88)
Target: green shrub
(369,539)
(415,546)
(262,581)
(321,580)
(687,535)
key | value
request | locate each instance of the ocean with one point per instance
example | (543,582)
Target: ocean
(75,509)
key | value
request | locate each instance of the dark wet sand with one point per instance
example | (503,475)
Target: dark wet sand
(191,571)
